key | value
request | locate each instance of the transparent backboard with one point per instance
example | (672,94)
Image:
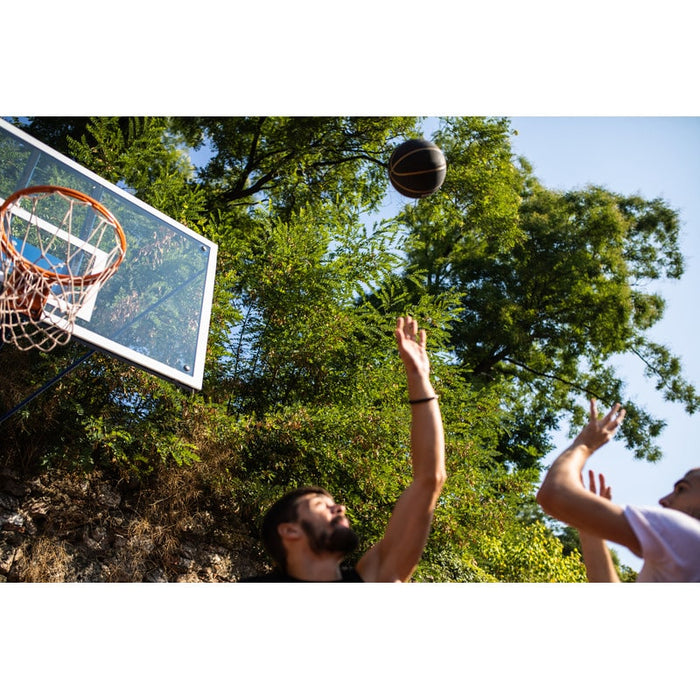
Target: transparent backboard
(154,312)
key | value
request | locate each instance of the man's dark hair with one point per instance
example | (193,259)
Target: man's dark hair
(284,510)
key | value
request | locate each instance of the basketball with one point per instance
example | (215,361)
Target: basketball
(417,168)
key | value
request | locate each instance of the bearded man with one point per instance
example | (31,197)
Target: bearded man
(307,533)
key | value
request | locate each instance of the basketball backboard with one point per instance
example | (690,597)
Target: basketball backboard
(154,312)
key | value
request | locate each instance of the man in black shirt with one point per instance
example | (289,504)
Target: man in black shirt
(306,531)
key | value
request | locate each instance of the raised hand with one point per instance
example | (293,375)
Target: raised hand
(603,490)
(412,343)
(599,431)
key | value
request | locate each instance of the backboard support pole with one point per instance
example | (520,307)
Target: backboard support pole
(47,385)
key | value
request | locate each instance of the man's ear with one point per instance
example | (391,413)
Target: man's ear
(289,531)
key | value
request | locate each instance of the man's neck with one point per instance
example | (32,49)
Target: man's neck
(315,568)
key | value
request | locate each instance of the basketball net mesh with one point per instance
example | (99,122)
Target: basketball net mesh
(57,247)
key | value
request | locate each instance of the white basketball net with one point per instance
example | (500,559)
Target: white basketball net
(56,251)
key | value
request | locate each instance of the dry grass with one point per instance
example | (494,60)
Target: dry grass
(48,561)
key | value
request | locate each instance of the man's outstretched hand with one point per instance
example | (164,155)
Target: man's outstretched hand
(412,344)
(597,432)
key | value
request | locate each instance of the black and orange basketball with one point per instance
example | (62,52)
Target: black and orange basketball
(417,168)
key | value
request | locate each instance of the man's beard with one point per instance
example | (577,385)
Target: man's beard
(340,540)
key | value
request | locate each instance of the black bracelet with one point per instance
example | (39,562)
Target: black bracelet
(429,398)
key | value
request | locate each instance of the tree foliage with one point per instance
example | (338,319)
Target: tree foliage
(528,294)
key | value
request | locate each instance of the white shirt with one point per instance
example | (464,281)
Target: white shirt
(670,542)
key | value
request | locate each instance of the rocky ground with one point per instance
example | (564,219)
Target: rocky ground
(58,527)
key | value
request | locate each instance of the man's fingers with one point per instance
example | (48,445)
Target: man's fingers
(407,327)
(594,410)
(412,325)
(616,415)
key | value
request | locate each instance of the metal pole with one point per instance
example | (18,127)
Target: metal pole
(48,384)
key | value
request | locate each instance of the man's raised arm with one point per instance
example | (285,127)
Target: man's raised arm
(396,556)
(596,555)
(563,496)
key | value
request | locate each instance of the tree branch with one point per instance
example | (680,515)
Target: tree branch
(546,375)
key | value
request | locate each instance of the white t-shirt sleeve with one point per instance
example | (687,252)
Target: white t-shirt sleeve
(670,542)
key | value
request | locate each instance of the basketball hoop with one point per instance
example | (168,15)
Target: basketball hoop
(58,246)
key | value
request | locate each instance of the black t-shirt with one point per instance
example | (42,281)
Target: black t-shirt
(349,575)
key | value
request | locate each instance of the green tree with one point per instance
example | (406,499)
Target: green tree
(289,162)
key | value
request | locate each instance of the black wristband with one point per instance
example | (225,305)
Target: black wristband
(429,398)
